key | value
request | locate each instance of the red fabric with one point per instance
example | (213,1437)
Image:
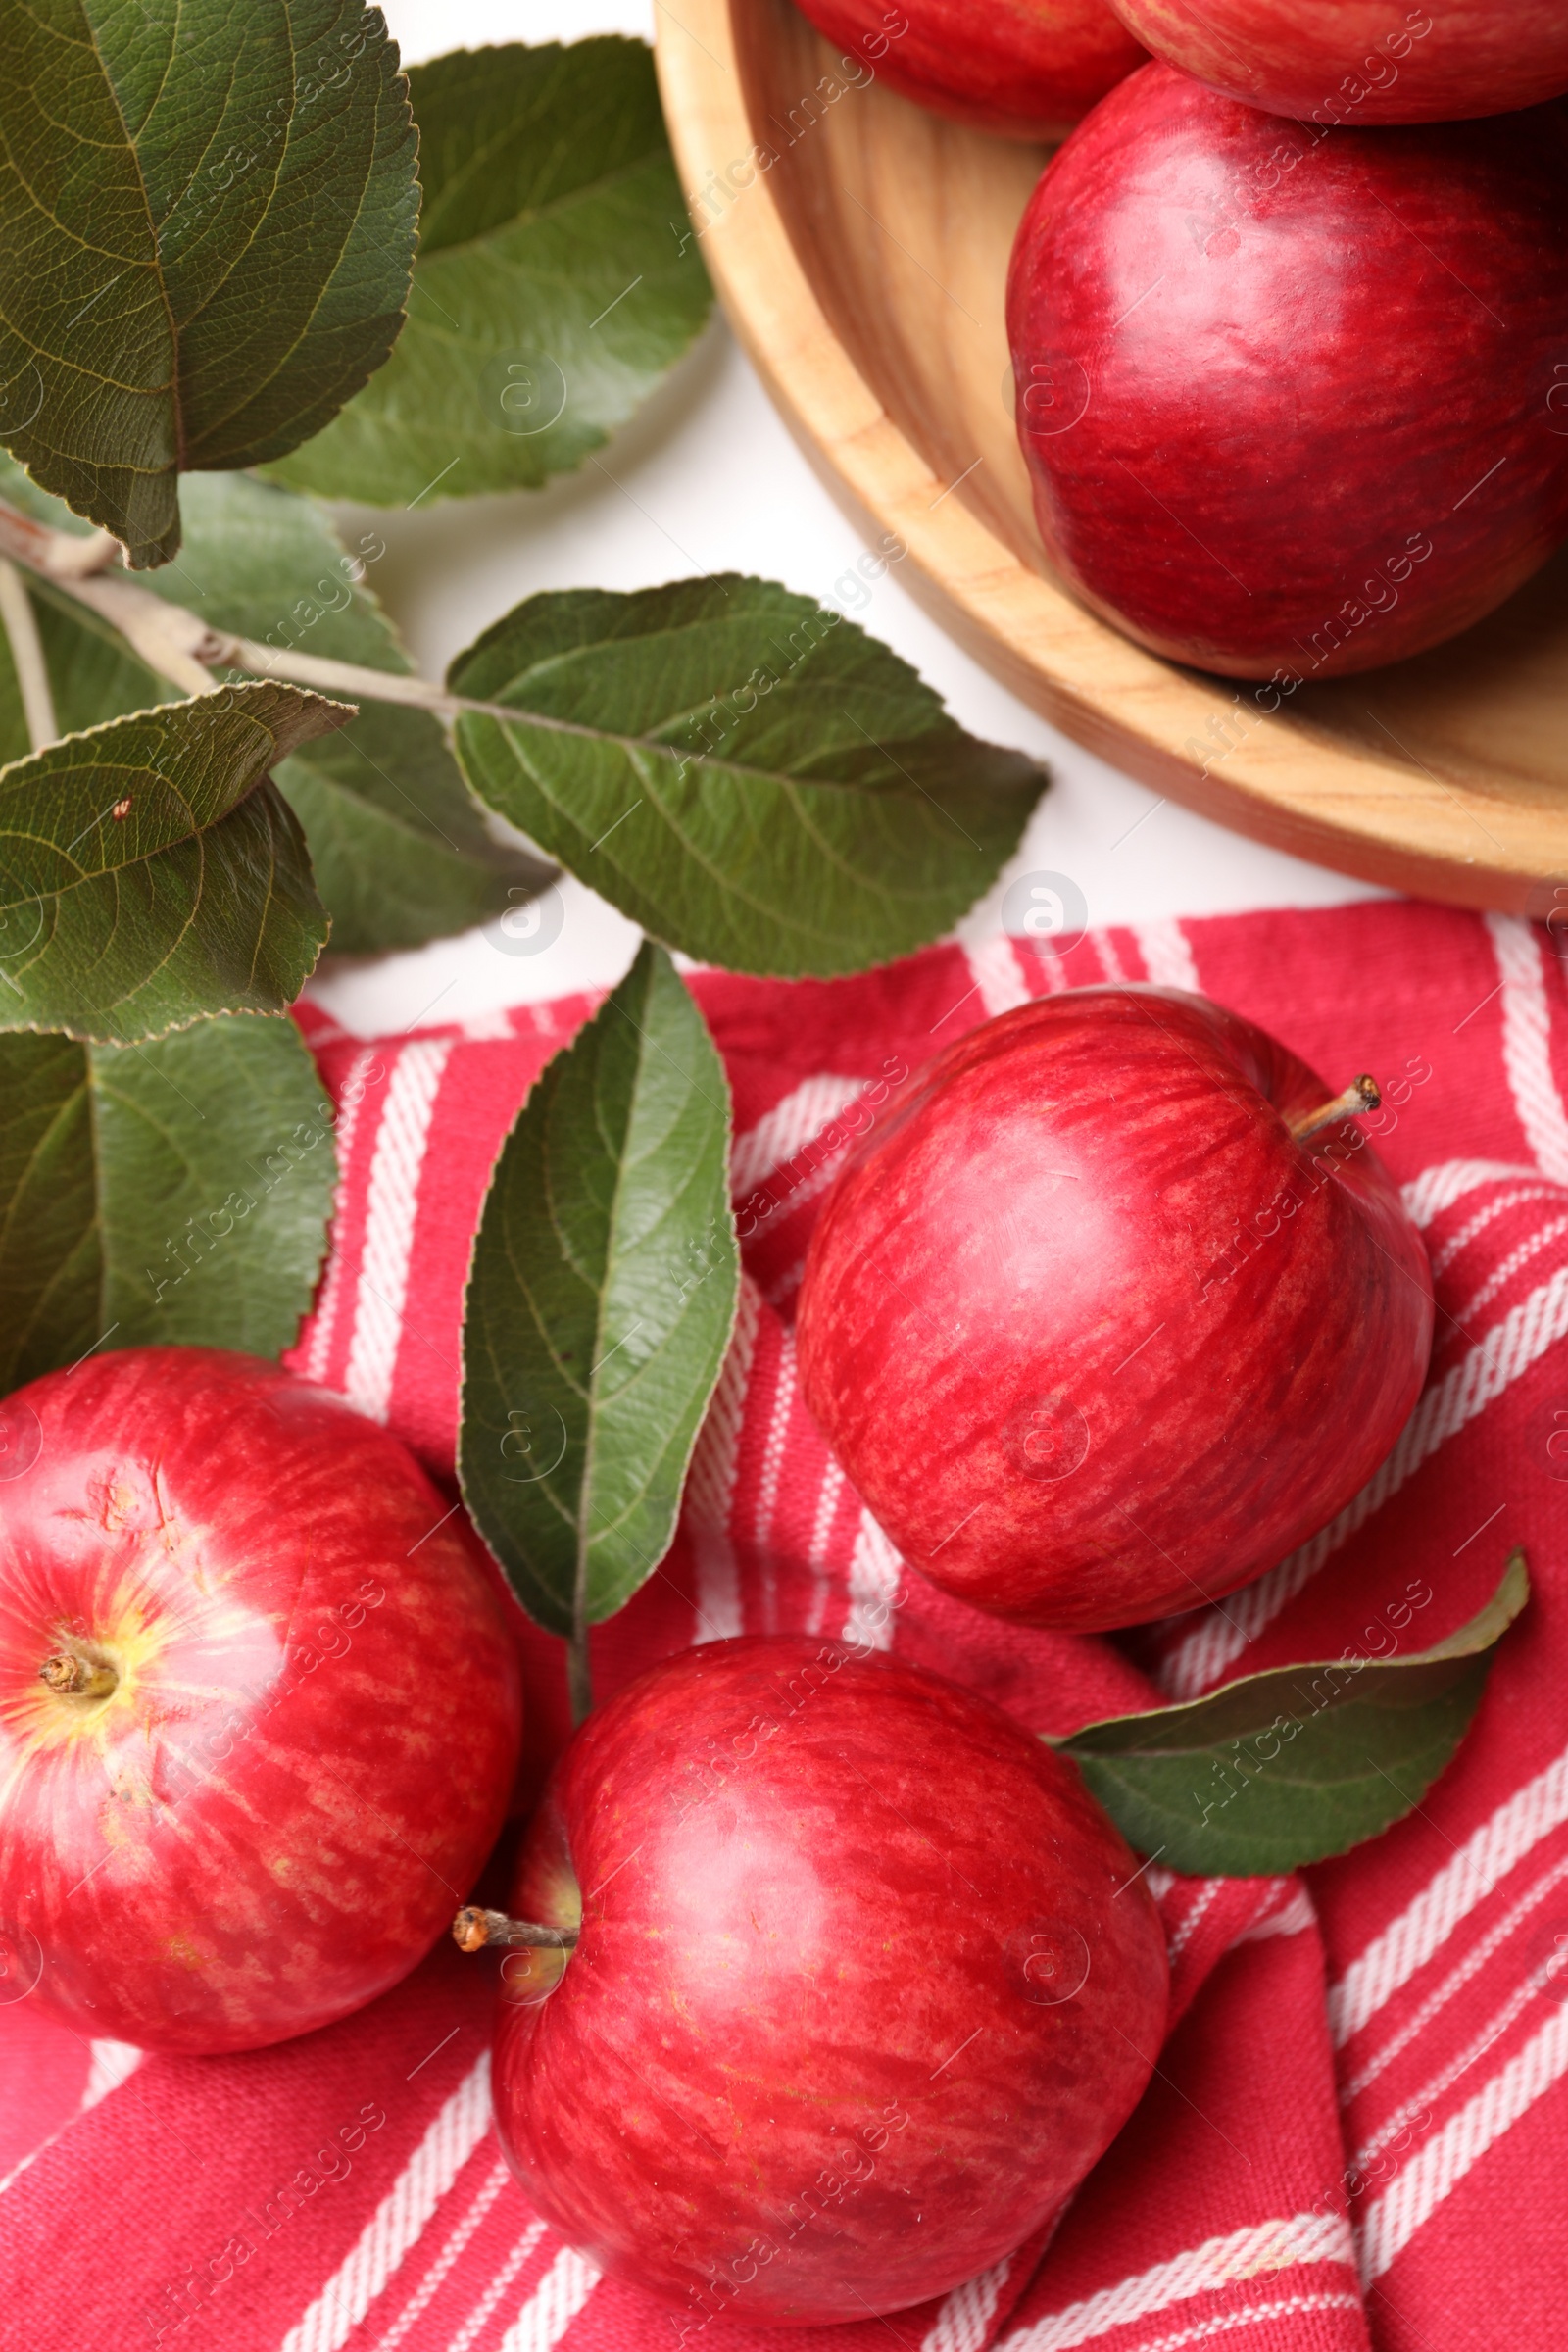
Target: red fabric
(1358,2126)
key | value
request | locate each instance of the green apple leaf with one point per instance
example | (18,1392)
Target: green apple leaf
(150,875)
(401,853)
(600,1302)
(749,777)
(207,225)
(401,850)
(557,279)
(169,1192)
(1290,1767)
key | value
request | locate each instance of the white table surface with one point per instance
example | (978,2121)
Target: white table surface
(710,481)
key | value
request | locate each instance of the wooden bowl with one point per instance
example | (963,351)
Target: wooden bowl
(863,269)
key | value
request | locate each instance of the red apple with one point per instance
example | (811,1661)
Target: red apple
(865,1984)
(1027,69)
(259,1703)
(1093,1333)
(1363,62)
(1294,402)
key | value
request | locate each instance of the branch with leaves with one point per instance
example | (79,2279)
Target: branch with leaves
(213,319)
(785,794)
(210,766)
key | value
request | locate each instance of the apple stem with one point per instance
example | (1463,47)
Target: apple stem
(474,1928)
(1360,1094)
(78,1678)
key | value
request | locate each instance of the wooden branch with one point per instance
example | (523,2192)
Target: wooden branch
(185,650)
(26,656)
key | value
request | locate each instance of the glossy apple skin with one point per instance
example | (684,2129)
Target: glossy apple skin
(1363,61)
(1024,69)
(308,1751)
(1290,419)
(806,2060)
(1091,1334)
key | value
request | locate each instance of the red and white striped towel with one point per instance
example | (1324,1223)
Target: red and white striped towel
(1359,2130)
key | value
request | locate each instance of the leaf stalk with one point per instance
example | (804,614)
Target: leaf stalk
(579,1674)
